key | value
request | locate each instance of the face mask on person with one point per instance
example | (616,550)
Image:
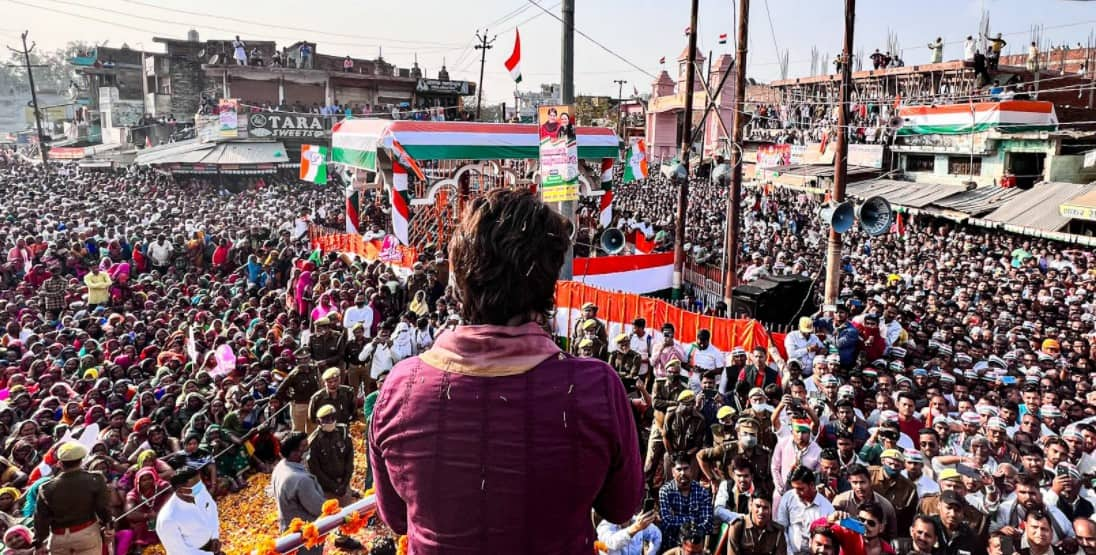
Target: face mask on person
(747,440)
(328,427)
(198,488)
(891,472)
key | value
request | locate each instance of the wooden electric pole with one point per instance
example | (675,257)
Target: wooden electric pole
(686,152)
(734,196)
(483,46)
(567,97)
(620,106)
(840,157)
(43,148)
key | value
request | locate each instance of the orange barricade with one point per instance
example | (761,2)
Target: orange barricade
(328,240)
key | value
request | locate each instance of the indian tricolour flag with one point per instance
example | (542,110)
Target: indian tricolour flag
(400,198)
(314,164)
(635,161)
(1010,116)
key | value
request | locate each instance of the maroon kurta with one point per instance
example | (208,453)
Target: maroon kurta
(496,442)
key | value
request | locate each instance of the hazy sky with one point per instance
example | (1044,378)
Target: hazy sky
(641,31)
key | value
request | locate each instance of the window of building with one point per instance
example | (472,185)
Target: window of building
(961,165)
(920,163)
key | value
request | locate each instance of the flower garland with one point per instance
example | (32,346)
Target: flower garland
(311,535)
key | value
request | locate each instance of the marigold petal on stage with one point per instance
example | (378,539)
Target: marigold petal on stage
(330,507)
(401,546)
(599,547)
(295,525)
(311,535)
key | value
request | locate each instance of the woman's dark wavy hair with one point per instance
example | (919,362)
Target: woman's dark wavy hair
(506,255)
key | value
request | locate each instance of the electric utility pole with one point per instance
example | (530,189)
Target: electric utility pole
(620,106)
(567,97)
(840,158)
(42,147)
(686,153)
(734,197)
(483,46)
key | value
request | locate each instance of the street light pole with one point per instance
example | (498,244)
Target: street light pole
(840,158)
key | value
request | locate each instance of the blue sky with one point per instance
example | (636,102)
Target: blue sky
(641,31)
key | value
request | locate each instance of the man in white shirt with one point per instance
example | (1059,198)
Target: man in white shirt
(703,357)
(360,313)
(629,540)
(379,353)
(160,253)
(641,342)
(915,465)
(188,523)
(799,507)
(803,345)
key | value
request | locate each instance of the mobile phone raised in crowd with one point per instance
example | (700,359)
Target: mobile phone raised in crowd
(968,471)
(853,524)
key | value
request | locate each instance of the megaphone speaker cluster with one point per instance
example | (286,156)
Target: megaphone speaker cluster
(875,216)
(612,240)
(838,216)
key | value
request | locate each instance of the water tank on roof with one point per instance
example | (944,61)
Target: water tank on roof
(192,35)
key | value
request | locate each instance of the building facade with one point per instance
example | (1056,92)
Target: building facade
(665,111)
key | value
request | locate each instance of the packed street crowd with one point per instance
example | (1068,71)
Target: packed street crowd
(946,406)
(165,338)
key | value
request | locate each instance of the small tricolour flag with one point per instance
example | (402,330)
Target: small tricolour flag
(605,217)
(688,29)
(353,215)
(662,60)
(401,204)
(314,164)
(513,63)
(723,38)
(635,161)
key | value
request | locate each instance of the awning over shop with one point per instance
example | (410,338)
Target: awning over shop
(1038,208)
(1081,207)
(355,141)
(821,170)
(906,194)
(233,156)
(978,201)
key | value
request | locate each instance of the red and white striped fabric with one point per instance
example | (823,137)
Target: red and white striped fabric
(401,209)
(640,273)
(605,218)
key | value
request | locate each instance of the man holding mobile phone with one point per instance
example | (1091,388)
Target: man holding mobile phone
(629,540)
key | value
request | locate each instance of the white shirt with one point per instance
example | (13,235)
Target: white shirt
(796,518)
(925,485)
(184,527)
(355,315)
(160,254)
(620,542)
(709,358)
(968,50)
(796,347)
(383,358)
(403,342)
(643,346)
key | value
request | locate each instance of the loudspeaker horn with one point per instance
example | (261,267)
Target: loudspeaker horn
(838,216)
(612,240)
(875,215)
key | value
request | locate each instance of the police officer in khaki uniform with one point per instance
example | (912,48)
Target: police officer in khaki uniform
(590,338)
(334,394)
(298,388)
(665,400)
(331,455)
(715,460)
(589,314)
(888,481)
(624,360)
(72,517)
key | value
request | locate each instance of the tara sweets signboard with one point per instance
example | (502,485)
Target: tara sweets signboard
(558,153)
(288,126)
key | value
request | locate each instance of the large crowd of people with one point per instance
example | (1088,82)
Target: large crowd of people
(163,338)
(153,325)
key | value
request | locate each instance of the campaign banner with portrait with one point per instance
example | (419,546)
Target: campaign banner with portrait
(558,153)
(227,118)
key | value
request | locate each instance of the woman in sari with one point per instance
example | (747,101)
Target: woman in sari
(142,505)
(232,463)
(302,297)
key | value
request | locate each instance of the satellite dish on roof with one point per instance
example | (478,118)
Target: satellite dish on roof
(214,59)
(201,54)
